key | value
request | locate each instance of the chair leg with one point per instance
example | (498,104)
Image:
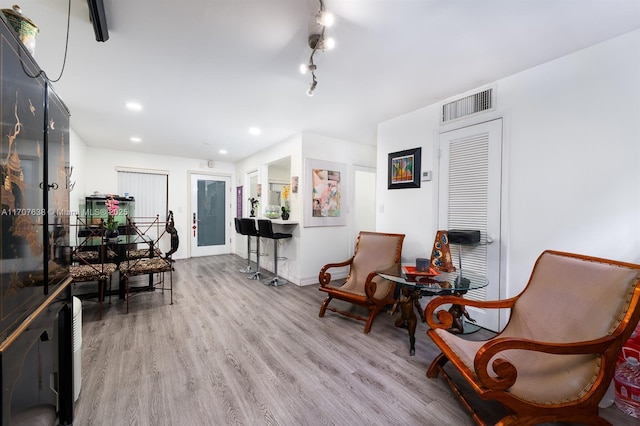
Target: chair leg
(101,286)
(372,315)
(436,366)
(126,290)
(324,305)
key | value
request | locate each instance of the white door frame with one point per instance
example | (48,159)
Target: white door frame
(229,198)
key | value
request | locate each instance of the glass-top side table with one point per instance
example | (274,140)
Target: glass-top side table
(411,286)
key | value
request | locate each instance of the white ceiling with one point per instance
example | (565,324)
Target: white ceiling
(207,70)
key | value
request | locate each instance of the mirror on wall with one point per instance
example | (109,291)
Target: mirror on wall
(252,191)
(279,176)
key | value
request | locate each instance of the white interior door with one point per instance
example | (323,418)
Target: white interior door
(210,213)
(469,192)
(364,201)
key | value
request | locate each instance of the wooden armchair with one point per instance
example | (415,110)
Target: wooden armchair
(555,358)
(363,286)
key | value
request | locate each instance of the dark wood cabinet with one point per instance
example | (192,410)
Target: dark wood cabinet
(35,292)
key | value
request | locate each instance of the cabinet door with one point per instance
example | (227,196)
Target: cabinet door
(22,98)
(57,187)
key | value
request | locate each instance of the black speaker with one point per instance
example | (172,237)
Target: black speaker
(458,236)
(98,19)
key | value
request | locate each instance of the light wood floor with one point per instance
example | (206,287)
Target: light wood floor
(231,351)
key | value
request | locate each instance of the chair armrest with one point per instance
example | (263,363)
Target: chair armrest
(324,277)
(444,319)
(507,372)
(371,286)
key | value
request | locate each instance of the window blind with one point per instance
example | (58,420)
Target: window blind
(150,191)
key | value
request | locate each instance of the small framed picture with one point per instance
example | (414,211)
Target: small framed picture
(404,169)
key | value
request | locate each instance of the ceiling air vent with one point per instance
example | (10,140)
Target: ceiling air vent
(468,105)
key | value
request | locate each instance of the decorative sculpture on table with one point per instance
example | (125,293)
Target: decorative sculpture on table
(285,200)
(254,205)
(406,301)
(457,312)
(441,253)
(285,213)
(171,230)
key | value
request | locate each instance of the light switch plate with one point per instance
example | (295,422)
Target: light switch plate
(426,176)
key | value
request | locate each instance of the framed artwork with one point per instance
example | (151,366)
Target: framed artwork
(324,193)
(404,169)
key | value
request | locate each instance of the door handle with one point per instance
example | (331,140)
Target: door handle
(489,239)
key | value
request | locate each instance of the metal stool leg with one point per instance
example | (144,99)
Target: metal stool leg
(256,275)
(248,269)
(275,281)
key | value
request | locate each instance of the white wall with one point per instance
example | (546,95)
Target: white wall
(571,149)
(96,168)
(259,162)
(330,244)
(310,248)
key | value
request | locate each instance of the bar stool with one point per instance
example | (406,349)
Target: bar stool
(239,230)
(265,229)
(248,227)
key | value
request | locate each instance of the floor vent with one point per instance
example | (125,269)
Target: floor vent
(467,106)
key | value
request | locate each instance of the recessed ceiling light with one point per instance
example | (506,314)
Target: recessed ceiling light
(255,131)
(135,139)
(222,151)
(134,106)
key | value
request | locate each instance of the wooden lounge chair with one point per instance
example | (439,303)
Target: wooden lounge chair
(555,358)
(363,286)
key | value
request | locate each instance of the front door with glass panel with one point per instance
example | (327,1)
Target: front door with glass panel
(210,207)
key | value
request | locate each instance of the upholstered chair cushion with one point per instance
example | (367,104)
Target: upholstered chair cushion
(82,273)
(373,252)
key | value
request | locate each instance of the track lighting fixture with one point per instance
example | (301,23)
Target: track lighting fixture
(317,41)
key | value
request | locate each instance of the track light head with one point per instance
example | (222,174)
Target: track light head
(325,19)
(318,42)
(328,43)
(305,68)
(312,87)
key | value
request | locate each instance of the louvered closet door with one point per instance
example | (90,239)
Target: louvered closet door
(469,191)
